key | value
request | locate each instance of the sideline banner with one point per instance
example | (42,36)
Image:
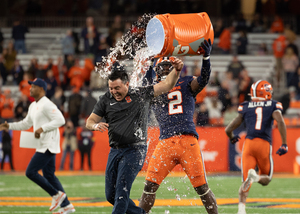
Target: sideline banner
(214,146)
(213,142)
(286,162)
(219,155)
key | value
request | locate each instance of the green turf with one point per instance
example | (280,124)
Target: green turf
(172,187)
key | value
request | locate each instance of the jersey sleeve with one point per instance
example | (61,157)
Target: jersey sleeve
(278,106)
(194,93)
(242,108)
(99,108)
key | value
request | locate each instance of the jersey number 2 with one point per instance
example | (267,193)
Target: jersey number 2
(258,112)
(175,98)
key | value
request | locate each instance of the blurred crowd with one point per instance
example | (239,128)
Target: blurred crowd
(73,69)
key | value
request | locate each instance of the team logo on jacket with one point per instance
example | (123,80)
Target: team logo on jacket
(128,99)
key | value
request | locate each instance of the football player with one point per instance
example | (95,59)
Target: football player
(258,115)
(178,137)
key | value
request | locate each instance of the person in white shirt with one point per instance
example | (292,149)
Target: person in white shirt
(45,118)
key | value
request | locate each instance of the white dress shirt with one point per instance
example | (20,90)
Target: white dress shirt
(45,114)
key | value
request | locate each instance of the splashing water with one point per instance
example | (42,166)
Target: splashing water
(141,64)
(131,46)
(165,182)
(171,188)
(139,133)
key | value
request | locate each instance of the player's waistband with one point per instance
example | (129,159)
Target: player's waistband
(120,146)
(190,134)
(180,134)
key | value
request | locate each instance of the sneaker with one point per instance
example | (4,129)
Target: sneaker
(57,200)
(242,208)
(65,210)
(251,176)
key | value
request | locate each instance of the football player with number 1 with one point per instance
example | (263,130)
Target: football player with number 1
(258,115)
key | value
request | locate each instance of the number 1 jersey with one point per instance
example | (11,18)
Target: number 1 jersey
(258,118)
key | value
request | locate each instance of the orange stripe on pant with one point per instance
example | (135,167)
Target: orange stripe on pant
(257,152)
(184,150)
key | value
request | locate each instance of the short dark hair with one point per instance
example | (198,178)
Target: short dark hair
(118,72)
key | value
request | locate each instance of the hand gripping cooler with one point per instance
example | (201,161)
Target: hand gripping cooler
(178,34)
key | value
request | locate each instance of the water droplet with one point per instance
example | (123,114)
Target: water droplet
(132,45)
(210,207)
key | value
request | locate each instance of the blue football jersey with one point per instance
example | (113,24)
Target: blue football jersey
(174,110)
(258,117)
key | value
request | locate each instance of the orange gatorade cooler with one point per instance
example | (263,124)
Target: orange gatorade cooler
(178,34)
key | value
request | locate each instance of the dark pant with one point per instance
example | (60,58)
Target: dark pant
(20,45)
(123,165)
(63,159)
(86,150)
(290,76)
(7,153)
(49,182)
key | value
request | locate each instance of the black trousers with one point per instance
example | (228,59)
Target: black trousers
(9,154)
(87,151)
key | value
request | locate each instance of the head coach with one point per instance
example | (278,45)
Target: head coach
(125,111)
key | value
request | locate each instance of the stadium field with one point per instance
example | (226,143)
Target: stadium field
(175,196)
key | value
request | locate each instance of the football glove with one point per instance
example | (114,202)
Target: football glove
(206,46)
(282,150)
(235,139)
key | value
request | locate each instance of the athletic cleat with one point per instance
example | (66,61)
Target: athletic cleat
(66,210)
(57,200)
(251,177)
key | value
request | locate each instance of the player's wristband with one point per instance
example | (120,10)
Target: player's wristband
(206,58)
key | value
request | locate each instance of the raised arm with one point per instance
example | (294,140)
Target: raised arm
(200,82)
(167,84)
